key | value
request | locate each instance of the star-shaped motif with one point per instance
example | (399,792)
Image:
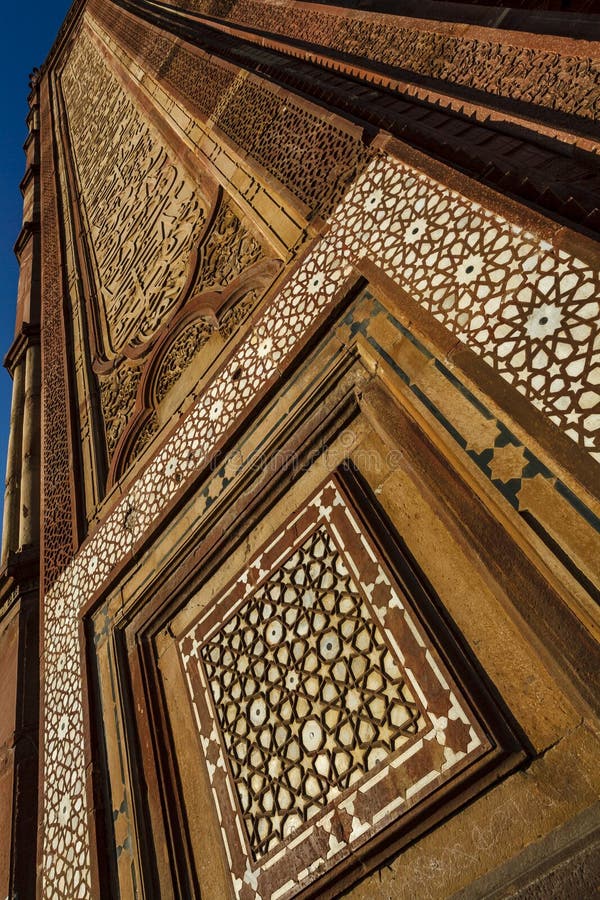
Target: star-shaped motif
(544,321)
(430,758)
(458,735)
(507,463)
(439,723)
(484,436)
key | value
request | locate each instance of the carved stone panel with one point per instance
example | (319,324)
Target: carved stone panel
(157,243)
(180,354)
(138,401)
(227,250)
(144,215)
(118,391)
(565,81)
(325,714)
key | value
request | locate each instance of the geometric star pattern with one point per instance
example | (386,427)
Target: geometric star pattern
(508,463)
(320,704)
(529,310)
(307,693)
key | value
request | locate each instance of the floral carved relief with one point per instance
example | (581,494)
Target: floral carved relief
(235,315)
(226,251)
(196,336)
(180,354)
(118,391)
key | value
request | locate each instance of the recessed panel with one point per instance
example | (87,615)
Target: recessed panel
(324,712)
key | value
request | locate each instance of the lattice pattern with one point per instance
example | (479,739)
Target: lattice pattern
(153,46)
(277,130)
(295,147)
(205,80)
(529,310)
(291,143)
(247,120)
(569,83)
(58,504)
(304,649)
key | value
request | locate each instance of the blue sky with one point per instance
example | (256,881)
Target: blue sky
(28,30)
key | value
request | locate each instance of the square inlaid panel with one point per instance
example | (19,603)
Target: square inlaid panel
(325,714)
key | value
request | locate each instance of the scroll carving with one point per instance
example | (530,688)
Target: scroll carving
(233,318)
(144,436)
(117,395)
(197,335)
(144,216)
(227,251)
(181,353)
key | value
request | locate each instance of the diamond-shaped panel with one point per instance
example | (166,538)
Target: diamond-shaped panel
(307,692)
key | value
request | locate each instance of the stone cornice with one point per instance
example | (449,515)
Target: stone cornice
(28,335)
(28,228)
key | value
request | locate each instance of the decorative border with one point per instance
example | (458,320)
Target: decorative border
(58,505)
(531,488)
(497,63)
(65,838)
